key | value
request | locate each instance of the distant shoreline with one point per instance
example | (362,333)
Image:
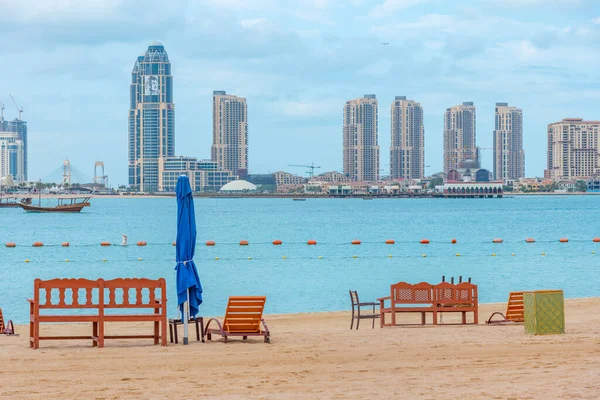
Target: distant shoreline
(273,196)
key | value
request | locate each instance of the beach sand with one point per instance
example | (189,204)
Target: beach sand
(316,356)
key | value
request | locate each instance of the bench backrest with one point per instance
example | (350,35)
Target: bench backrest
(100,294)
(464,293)
(406,293)
(244,313)
(133,293)
(71,293)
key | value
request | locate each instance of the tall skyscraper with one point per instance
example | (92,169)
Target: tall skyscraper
(407,150)
(573,149)
(151,117)
(509,157)
(460,135)
(230,133)
(12,156)
(19,127)
(361,150)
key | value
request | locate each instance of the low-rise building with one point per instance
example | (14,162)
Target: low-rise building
(285,178)
(331,177)
(204,175)
(473,188)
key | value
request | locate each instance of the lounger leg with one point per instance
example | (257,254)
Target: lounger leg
(208,336)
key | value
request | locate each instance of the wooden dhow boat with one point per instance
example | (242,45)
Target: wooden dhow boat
(65,204)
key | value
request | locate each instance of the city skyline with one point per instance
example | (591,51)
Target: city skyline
(296,72)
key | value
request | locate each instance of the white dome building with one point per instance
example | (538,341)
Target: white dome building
(238,186)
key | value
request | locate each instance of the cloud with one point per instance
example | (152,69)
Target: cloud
(391,6)
(251,23)
(596,21)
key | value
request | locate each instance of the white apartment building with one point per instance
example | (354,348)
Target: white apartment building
(509,157)
(407,149)
(361,149)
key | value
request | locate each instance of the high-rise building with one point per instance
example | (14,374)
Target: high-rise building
(509,157)
(151,117)
(573,149)
(230,133)
(361,150)
(407,149)
(460,135)
(12,156)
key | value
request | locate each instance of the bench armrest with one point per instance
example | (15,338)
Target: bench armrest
(382,301)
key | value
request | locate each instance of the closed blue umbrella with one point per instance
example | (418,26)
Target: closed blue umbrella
(189,289)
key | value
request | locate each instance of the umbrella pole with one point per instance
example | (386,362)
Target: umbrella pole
(186,316)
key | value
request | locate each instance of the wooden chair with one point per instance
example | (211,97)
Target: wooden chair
(356,304)
(514,310)
(242,318)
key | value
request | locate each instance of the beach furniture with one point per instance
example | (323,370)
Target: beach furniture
(544,312)
(460,298)
(514,310)
(9,328)
(199,321)
(407,298)
(356,304)
(243,317)
(98,302)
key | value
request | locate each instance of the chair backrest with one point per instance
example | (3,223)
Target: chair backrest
(1,322)
(244,313)
(405,293)
(354,298)
(133,292)
(68,293)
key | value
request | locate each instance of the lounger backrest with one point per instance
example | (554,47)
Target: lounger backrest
(66,293)
(133,292)
(244,313)
(405,293)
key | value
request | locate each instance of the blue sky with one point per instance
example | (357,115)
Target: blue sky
(297,62)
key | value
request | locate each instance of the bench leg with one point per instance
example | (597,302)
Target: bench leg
(475,317)
(435,317)
(163,333)
(156,325)
(464,318)
(422,318)
(171,332)
(175,332)
(101,334)
(94,334)
(31,333)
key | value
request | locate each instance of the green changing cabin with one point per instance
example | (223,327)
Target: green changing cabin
(544,312)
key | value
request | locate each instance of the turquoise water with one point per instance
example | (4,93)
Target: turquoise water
(303,281)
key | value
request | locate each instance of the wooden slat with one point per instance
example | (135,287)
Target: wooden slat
(68,318)
(134,318)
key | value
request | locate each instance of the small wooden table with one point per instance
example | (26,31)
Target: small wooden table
(199,321)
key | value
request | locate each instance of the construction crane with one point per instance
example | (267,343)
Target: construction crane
(19,109)
(312,168)
(1,111)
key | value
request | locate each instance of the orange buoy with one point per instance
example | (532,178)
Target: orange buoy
(38,244)
(65,244)
(530,240)
(277,242)
(453,241)
(390,241)
(11,244)
(243,243)
(563,240)
(424,241)
(497,240)
(174,243)
(356,241)
(210,243)
(596,240)
(104,244)
(141,243)
(312,242)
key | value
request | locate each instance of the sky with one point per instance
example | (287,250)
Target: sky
(68,62)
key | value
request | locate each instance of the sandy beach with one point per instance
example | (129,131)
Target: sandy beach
(316,356)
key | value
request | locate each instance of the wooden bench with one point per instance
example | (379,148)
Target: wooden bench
(460,298)
(96,302)
(407,298)
(436,299)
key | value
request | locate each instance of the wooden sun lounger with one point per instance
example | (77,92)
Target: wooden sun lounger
(243,317)
(514,310)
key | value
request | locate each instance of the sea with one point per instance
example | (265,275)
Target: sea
(297,277)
